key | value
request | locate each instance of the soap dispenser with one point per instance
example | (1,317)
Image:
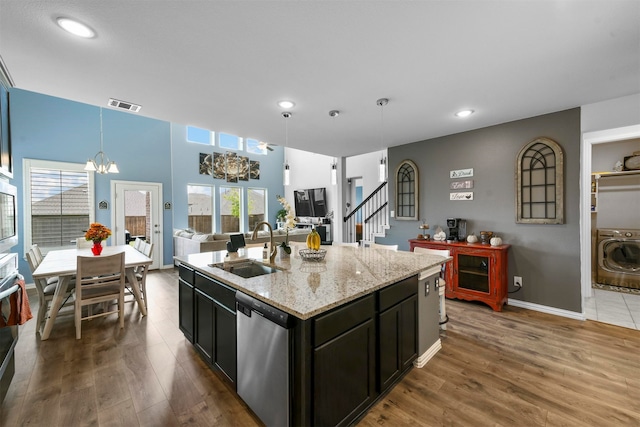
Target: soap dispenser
(265,252)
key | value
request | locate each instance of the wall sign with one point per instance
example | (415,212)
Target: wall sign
(103,204)
(461,173)
(461,185)
(167,206)
(461,196)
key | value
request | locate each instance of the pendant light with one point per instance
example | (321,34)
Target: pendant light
(334,164)
(100,163)
(287,170)
(334,173)
(382,168)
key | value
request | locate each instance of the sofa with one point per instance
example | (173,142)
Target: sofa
(186,242)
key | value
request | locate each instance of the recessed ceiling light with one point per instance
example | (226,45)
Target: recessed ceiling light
(286,104)
(76,28)
(464,113)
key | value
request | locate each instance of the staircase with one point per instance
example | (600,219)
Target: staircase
(369,219)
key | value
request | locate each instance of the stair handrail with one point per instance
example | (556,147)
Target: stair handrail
(366,220)
(357,208)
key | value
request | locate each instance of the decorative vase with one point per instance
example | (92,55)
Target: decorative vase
(97,247)
(283,253)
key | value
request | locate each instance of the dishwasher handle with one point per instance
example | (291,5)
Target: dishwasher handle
(249,306)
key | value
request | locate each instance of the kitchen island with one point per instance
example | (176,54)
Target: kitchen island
(352,321)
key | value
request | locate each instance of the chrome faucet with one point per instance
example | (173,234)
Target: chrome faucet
(272,257)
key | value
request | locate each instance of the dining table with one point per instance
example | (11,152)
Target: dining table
(63,264)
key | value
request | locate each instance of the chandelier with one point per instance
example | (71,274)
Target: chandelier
(100,163)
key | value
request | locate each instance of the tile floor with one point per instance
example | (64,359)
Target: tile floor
(616,308)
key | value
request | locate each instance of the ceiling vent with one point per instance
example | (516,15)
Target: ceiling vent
(124,105)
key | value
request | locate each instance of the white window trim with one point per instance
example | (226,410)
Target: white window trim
(27,164)
(241,192)
(266,203)
(213,203)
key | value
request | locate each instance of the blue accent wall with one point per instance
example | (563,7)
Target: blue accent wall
(186,157)
(147,150)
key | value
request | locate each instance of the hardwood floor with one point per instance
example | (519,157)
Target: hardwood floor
(515,368)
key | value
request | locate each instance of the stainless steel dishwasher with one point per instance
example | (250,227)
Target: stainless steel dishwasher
(263,359)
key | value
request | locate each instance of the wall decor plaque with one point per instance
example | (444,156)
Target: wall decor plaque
(461,196)
(461,185)
(461,173)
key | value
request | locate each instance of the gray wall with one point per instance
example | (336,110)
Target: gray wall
(546,256)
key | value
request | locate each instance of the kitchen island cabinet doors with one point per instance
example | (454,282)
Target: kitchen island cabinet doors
(398,331)
(478,271)
(215,325)
(185,300)
(344,360)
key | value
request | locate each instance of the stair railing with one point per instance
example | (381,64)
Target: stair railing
(369,218)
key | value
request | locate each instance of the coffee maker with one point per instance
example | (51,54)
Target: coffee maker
(457,229)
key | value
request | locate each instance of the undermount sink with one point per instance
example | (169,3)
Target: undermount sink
(247,269)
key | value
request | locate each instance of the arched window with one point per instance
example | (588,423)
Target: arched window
(540,187)
(407,191)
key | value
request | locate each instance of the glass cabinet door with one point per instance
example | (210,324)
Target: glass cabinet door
(473,273)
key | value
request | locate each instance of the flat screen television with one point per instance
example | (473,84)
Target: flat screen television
(311,202)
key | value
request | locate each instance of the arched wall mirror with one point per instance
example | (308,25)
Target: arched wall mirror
(407,191)
(540,183)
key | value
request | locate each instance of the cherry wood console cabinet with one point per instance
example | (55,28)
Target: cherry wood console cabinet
(478,272)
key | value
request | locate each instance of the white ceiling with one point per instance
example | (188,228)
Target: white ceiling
(223,65)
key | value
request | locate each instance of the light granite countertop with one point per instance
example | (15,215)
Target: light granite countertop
(304,288)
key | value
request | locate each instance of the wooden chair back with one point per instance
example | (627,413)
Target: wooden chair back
(99,279)
(37,252)
(138,244)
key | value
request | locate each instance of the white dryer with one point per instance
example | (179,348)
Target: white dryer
(619,257)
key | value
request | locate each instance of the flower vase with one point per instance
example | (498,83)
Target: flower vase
(283,253)
(96,248)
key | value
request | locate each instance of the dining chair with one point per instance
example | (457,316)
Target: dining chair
(37,252)
(351,244)
(386,247)
(138,244)
(82,243)
(45,289)
(99,279)
(441,285)
(141,273)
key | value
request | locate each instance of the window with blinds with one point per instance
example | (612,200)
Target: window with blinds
(59,203)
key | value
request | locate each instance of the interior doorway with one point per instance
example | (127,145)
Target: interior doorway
(590,139)
(137,212)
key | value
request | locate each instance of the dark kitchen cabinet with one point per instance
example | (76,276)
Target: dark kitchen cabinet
(398,331)
(205,321)
(210,307)
(186,301)
(344,356)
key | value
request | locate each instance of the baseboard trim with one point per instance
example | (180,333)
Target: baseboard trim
(546,309)
(427,355)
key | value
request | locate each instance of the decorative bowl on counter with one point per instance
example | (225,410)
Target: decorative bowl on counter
(312,255)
